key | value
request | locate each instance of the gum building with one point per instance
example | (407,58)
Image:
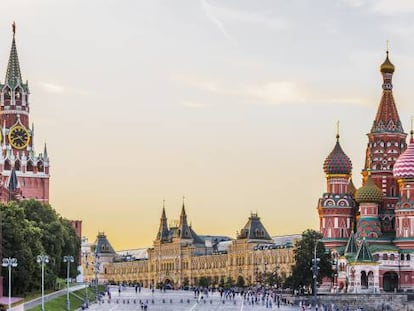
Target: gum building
(180,257)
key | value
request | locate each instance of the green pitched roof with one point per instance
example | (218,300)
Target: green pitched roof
(13,74)
(351,246)
(363,254)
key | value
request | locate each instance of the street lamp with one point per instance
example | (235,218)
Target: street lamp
(96,265)
(9,262)
(86,254)
(42,259)
(68,259)
(315,270)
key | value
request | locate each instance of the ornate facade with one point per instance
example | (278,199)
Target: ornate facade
(370,231)
(180,257)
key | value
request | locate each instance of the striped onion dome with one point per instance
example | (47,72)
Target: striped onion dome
(404,166)
(369,193)
(337,161)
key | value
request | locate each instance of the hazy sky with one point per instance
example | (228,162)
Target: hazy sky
(232,104)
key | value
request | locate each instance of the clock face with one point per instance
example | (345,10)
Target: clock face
(19,137)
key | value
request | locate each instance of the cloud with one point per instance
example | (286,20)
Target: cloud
(52,88)
(277,92)
(217,15)
(386,7)
(208,9)
(272,92)
(192,104)
(58,89)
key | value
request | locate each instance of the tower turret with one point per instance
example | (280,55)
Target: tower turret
(16,136)
(386,141)
(369,197)
(336,207)
(163,232)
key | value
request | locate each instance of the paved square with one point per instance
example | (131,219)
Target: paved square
(176,301)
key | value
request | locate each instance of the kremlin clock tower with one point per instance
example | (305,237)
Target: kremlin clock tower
(24,175)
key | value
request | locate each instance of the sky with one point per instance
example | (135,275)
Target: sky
(231,104)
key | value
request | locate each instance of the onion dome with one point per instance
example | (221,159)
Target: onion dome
(404,166)
(337,161)
(387,66)
(369,193)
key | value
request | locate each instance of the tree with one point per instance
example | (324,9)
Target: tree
(229,282)
(31,228)
(302,275)
(240,281)
(203,282)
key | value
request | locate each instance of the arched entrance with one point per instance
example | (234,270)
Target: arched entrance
(390,280)
(364,280)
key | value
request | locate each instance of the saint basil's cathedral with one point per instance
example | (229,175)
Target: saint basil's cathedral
(370,230)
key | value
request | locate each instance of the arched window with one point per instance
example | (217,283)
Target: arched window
(402,257)
(384,257)
(407,257)
(17,165)
(392,257)
(29,166)
(7,165)
(40,166)
(364,280)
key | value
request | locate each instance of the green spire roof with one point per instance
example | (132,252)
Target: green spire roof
(351,246)
(364,254)
(13,74)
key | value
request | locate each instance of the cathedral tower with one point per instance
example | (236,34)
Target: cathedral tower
(386,141)
(404,209)
(17,139)
(336,208)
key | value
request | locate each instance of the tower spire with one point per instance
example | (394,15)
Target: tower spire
(387,119)
(337,130)
(13,73)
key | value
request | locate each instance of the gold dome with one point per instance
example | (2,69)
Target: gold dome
(387,66)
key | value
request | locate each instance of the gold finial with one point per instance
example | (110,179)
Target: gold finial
(163,203)
(183,200)
(337,130)
(388,46)
(412,127)
(14,28)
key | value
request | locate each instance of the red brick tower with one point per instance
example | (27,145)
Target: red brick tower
(336,208)
(17,139)
(386,142)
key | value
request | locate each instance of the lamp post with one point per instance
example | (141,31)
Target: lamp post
(96,266)
(85,255)
(9,262)
(315,270)
(42,259)
(68,259)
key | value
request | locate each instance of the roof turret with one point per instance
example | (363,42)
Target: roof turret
(351,245)
(363,254)
(404,166)
(13,74)
(369,193)
(254,229)
(387,66)
(337,161)
(387,118)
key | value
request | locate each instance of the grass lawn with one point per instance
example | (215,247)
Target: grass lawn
(59,303)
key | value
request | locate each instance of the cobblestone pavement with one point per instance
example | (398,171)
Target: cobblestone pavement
(176,301)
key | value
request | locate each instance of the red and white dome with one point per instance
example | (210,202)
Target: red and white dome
(404,166)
